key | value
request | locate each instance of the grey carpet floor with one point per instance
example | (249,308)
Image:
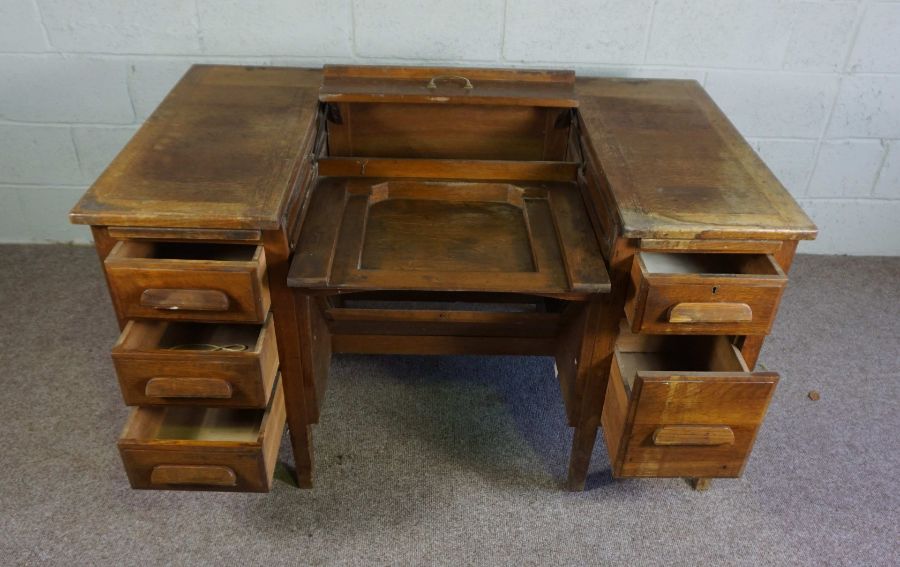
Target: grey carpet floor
(454,460)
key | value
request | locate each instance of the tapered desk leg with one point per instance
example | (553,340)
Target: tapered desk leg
(580,460)
(590,389)
(601,328)
(287,330)
(304,456)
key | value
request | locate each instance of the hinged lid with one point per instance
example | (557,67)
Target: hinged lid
(448,85)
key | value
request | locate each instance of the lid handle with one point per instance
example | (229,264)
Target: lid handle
(467,84)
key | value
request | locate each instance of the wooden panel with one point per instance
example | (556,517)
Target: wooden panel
(210,475)
(661,399)
(312,263)
(441,132)
(577,241)
(704,293)
(678,169)
(194,448)
(615,414)
(422,344)
(206,282)
(103,244)
(156,364)
(219,152)
(385,84)
(478,237)
(183,234)
(435,322)
(448,169)
(188,388)
(712,246)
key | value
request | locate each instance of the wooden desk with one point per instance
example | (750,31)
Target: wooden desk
(500,206)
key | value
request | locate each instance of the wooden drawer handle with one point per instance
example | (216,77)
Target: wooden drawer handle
(210,475)
(188,299)
(188,388)
(693,435)
(710,313)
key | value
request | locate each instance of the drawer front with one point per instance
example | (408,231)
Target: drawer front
(204,465)
(691,424)
(214,289)
(697,303)
(153,374)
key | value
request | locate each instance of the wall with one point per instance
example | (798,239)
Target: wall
(815,86)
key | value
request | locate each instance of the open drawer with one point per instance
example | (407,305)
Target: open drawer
(707,293)
(195,448)
(198,281)
(682,406)
(210,364)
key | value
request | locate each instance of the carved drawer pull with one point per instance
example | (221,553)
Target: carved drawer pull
(467,84)
(710,313)
(187,299)
(693,435)
(210,475)
(188,388)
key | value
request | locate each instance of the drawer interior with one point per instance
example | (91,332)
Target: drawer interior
(148,335)
(673,353)
(187,251)
(198,424)
(711,264)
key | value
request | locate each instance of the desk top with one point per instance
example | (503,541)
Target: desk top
(678,168)
(219,152)
(223,148)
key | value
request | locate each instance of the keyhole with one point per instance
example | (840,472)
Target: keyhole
(715,289)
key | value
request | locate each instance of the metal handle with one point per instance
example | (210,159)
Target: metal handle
(467,84)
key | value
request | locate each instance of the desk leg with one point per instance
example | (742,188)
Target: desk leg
(297,397)
(590,391)
(582,446)
(601,329)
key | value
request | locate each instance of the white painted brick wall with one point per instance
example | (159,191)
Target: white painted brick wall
(814,85)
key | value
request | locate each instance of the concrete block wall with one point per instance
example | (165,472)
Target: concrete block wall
(814,85)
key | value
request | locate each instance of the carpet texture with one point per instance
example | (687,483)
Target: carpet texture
(454,460)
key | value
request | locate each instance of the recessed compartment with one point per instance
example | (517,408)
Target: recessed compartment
(705,293)
(212,364)
(197,281)
(483,114)
(200,448)
(524,237)
(682,406)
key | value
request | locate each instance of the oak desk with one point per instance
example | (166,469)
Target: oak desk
(623,227)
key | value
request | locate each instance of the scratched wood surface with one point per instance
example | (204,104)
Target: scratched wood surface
(677,167)
(376,234)
(219,152)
